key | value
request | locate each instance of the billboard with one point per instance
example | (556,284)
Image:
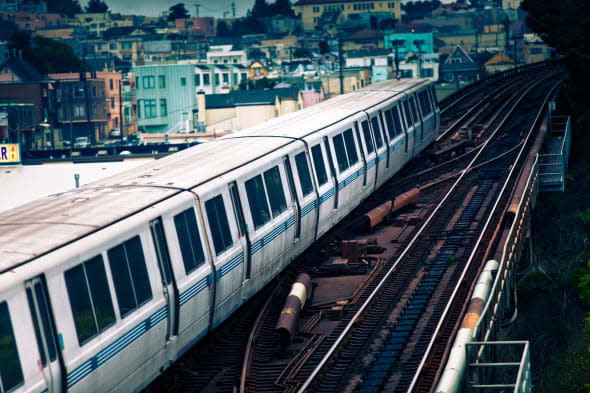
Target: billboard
(9,153)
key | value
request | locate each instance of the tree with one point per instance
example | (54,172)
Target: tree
(323,46)
(282,7)
(46,55)
(68,7)
(222,29)
(260,9)
(178,11)
(387,24)
(96,6)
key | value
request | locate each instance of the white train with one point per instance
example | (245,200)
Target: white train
(103,287)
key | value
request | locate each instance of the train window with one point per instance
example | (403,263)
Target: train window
(257,200)
(367,135)
(304,176)
(409,120)
(84,282)
(396,119)
(274,187)
(132,284)
(390,127)
(377,132)
(189,240)
(11,373)
(340,153)
(413,106)
(318,163)
(353,157)
(433,95)
(218,223)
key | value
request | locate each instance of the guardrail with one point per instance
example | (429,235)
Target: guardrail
(553,165)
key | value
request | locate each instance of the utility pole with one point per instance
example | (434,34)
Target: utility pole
(418,44)
(340,62)
(233,9)
(197,9)
(121,114)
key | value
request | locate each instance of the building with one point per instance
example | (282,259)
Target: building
(423,66)
(459,67)
(257,70)
(534,49)
(241,109)
(22,84)
(409,42)
(500,62)
(204,26)
(472,40)
(82,108)
(129,124)
(113,96)
(166,97)
(224,54)
(310,11)
(353,79)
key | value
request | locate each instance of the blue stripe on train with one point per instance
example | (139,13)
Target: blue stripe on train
(83,370)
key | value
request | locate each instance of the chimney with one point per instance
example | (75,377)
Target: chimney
(201,108)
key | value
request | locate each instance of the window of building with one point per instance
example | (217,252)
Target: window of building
(206,79)
(149,109)
(303,171)
(197,79)
(79,110)
(406,73)
(316,9)
(162,81)
(189,240)
(110,84)
(183,81)
(274,188)
(112,102)
(218,224)
(225,77)
(257,201)
(340,153)
(216,79)
(149,82)
(139,109)
(427,72)
(11,374)
(318,163)
(90,298)
(244,76)
(163,107)
(130,277)
(236,77)
(126,45)
(536,51)
(113,46)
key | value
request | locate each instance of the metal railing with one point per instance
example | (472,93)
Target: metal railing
(553,164)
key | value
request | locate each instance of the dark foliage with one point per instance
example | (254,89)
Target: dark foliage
(419,9)
(178,11)
(565,25)
(46,55)
(96,6)
(387,24)
(68,7)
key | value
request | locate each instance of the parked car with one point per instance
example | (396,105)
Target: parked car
(82,142)
(115,133)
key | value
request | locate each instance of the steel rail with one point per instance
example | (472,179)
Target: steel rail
(377,289)
(482,232)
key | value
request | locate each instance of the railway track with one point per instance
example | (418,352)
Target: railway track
(215,364)
(398,313)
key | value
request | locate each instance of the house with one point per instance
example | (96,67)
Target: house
(459,66)
(225,54)
(310,11)
(219,78)
(409,41)
(534,49)
(500,62)
(257,70)
(365,39)
(241,109)
(425,65)
(22,84)
(312,90)
(113,95)
(166,97)
(353,79)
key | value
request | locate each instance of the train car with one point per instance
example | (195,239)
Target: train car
(103,287)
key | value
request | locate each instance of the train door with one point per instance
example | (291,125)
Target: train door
(411,131)
(243,236)
(363,153)
(332,171)
(388,139)
(306,193)
(294,200)
(168,282)
(45,332)
(418,120)
(325,181)
(372,158)
(380,150)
